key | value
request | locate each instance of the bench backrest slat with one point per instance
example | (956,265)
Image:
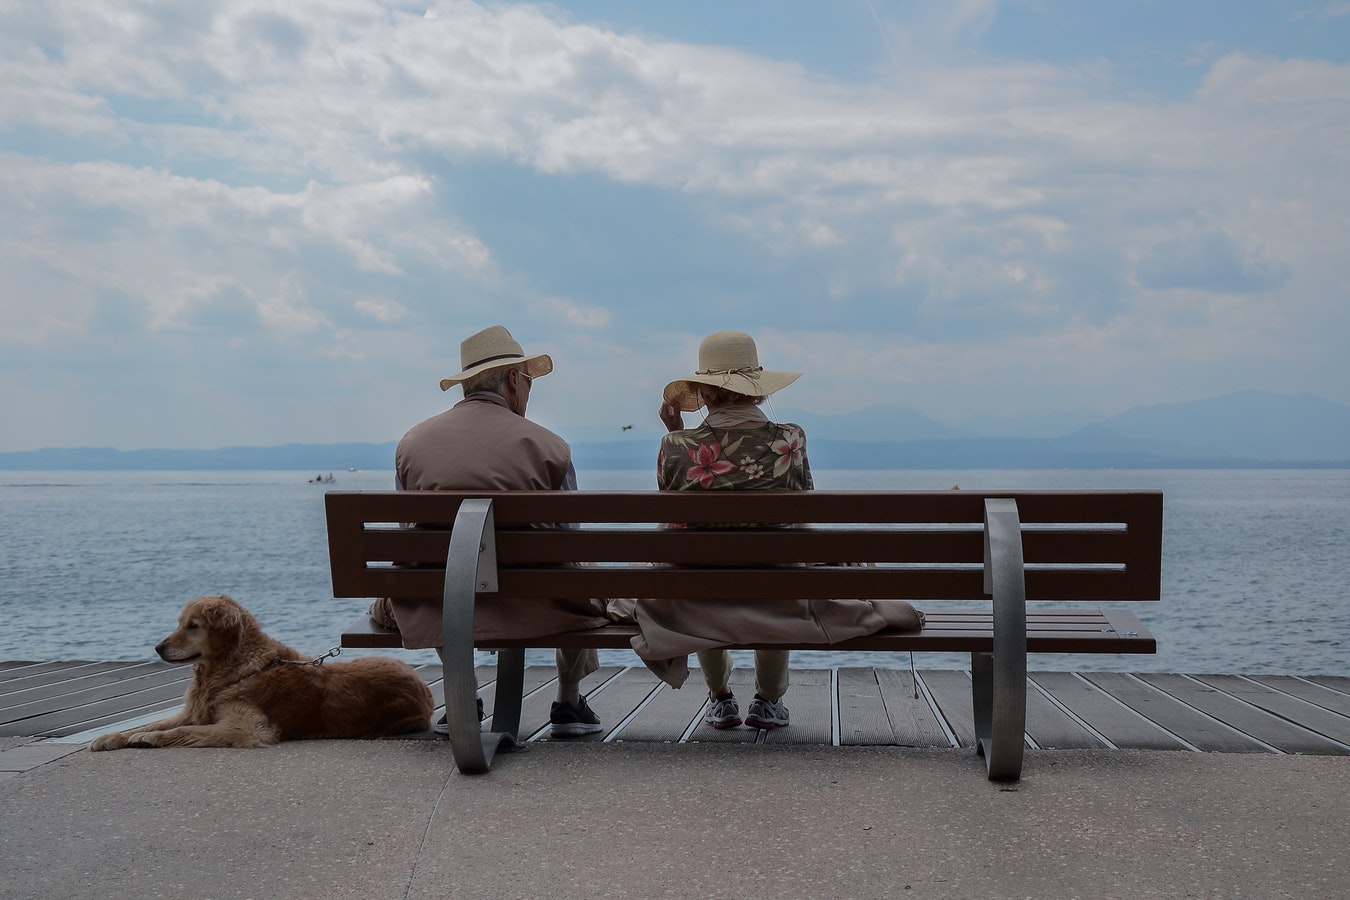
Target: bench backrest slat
(710,507)
(719,547)
(1081,545)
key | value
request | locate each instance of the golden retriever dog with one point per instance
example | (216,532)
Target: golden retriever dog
(249,690)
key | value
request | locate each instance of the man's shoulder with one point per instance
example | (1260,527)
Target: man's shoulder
(542,434)
(484,420)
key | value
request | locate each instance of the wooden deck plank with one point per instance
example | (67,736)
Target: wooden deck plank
(810,704)
(93,675)
(23,668)
(125,678)
(1256,723)
(27,676)
(1298,713)
(1306,689)
(863,719)
(1155,711)
(913,721)
(1096,707)
(951,691)
(1339,683)
(145,686)
(166,697)
(1052,728)
(620,697)
(668,715)
(1173,715)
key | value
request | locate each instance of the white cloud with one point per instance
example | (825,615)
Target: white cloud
(1210,259)
(171,244)
(1334,10)
(382,310)
(342,180)
(575,314)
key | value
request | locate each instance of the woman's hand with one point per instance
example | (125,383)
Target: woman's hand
(670,417)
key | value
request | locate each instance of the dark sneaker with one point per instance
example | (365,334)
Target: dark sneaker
(766,714)
(723,712)
(442,725)
(573,721)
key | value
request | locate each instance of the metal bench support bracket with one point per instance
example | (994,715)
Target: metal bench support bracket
(999,690)
(471,569)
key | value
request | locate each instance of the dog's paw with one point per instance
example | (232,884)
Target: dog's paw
(143,739)
(112,741)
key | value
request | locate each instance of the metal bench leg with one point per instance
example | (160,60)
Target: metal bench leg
(999,689)
(510,690)
(470,569)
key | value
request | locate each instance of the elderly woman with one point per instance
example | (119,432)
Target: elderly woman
(737,447)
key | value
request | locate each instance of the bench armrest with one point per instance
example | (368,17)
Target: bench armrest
(999,689)
(470,569)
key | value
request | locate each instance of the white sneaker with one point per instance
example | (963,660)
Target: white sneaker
(723,713)
(766,714)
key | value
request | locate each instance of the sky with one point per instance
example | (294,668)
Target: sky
(253,223)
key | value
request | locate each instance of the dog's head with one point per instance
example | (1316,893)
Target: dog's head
(209,628)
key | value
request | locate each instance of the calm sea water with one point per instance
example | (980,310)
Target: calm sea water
(95,565)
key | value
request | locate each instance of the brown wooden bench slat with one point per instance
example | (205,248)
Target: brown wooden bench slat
(700,547)
(806,583)
(853,507)
(944,632)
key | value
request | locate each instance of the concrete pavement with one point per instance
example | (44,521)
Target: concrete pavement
(377,819)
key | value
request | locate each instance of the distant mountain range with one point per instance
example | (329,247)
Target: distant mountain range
(1250,429)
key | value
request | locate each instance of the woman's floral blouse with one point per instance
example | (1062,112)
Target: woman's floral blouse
(708,458)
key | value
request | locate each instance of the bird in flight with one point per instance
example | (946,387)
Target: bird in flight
(625,427)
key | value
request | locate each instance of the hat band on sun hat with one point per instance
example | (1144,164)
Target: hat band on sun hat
(482,362)
(747,371)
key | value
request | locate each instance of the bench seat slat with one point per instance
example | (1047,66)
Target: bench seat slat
(1047,632)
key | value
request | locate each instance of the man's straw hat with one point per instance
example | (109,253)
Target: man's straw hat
(727,359)
(493,348)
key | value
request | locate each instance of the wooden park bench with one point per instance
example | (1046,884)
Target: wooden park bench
(936,549)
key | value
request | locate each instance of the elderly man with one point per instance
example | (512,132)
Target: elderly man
(484,442)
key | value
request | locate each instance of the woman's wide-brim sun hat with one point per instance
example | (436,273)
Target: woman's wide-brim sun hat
(729,360)
(493,348)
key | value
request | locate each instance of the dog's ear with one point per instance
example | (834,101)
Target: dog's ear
(230,625)
(221,613)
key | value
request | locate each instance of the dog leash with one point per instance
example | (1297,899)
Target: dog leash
(278,661)
(316,661)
